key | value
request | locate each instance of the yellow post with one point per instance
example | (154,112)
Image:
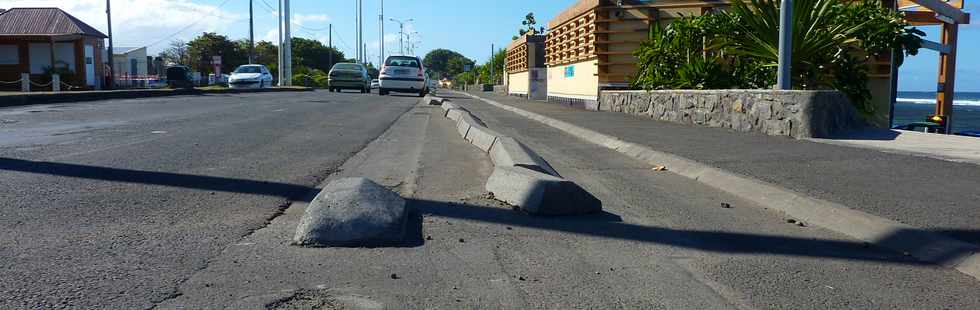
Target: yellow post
(947,75)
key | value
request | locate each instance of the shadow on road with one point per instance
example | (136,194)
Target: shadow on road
(605,225)
(156,178)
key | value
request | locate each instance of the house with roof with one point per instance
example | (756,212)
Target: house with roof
(33,40)
(130,66)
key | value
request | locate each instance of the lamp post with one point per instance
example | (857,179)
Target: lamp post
(381,35)
(784,78)
(401,33)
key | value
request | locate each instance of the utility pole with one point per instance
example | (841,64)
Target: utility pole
(281,47)
(360,33)
(288,53)
(784,76)
(330,43)
(251,34)
(491,64)
(112,78)
(381,35)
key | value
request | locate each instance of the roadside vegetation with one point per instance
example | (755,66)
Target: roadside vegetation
(312,59)
(833,44)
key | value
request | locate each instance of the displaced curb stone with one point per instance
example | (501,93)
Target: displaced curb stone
(353,212)
(432,100)
(508,151)
(540,194)
(923,245)
(521,177)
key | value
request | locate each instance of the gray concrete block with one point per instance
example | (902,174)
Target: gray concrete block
(462,126)
(353,212)
(509,152)
(540,194)
(446,105)
(482,137)
(455,114)
(432,100)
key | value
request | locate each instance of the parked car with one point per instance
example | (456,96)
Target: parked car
(250,76)
(403,74)
(349,76)
(179,77)
(375,84)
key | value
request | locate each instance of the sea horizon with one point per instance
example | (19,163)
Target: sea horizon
(926,97)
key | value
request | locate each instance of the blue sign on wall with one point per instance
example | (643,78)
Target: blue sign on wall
(570,71)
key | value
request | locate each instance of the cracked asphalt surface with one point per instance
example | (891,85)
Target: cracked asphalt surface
(113,204)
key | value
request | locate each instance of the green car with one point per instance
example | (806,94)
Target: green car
(349,76)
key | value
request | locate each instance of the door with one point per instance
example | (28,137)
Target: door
(89,65)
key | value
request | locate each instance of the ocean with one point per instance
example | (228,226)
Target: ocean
(914,106)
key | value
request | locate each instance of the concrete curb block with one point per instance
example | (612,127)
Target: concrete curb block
(923,245)
(482,137)
(539,193)
(432,100)
(521,177)
(509,152)
(455,114)
(70,97)
(464,123)
(353,212)
(448,105)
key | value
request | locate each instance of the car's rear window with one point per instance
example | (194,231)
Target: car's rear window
(249,69)
(403,62)
(347,67)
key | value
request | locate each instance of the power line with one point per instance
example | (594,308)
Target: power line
(203,17)
(269,6)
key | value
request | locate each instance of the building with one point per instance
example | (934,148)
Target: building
(32,39)
(526,71)
(130,66)
(590,45)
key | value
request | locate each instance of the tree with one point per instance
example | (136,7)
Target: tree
(210,44)
(313,54)
(445,63)
(176,53)
(529,24)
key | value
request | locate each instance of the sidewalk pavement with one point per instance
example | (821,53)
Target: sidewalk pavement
(945,147)
(933,194)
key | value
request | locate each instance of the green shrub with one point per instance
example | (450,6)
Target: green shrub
(833,42)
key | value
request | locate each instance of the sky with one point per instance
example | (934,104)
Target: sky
(466,26)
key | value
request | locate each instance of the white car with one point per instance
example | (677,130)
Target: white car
(403,74)
(250,76)
(375,84)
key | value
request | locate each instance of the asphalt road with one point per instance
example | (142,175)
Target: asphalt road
(189,209)
(663,242)
(113,204)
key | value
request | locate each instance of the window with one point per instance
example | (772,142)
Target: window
(401,61)
(353,67)
(248,69)
(9,55)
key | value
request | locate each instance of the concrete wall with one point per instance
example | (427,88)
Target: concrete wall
(580,88)
(517,83)
(795,113)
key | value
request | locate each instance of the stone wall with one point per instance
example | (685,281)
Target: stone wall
(793,113)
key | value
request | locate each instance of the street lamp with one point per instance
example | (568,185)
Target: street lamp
(401,31)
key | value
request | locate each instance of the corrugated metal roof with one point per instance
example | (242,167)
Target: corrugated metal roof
(43,21)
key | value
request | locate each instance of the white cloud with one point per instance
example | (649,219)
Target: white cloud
(272,36)
(308,19)
(144,22)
